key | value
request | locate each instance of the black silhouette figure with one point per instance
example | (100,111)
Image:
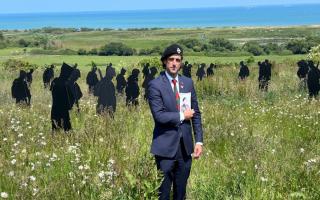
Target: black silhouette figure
(210,70)
(145,70)
(132,89)
(264,75)
(121,81)
(244,71)
(302,73)
(62,99)
(20,90)
(92,78)
(29,77)
(105,91)
(150,77)
(313,80)
(187,70)
(201,72)
(48,76)
(74,87)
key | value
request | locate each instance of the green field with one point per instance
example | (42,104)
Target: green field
(141,39)
(256,145)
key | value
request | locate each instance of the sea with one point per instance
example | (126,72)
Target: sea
(289,15)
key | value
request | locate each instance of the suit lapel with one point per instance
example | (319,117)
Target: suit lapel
(182,86)
(168,88)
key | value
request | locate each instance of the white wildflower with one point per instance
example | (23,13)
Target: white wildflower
(4,195)
(13,161)
(32,178)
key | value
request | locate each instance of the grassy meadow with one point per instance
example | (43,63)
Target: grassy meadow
(257,145)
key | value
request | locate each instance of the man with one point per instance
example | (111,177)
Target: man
(172,143)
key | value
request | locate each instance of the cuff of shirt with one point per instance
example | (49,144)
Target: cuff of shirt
(181,117)
(199,143)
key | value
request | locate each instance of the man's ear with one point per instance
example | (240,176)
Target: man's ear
(164,63)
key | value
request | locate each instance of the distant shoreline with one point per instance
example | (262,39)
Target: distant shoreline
(261,16)
(85,29)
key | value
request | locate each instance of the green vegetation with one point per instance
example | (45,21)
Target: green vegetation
(257,145)
(206,41)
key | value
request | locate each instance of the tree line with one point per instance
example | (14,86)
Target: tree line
(192,46)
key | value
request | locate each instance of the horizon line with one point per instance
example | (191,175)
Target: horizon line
(159,9)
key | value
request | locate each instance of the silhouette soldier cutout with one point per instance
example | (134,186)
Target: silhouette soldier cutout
(150,77)
(313,80)
(92,78)
(264,75)
(20,90)
(105,91)
(302,73)
(244,71)
(74,87)
(29,77)
(48,76)
(201,72)
(121,81)
(145,70)
(132,89)
(210,70)
(62,99)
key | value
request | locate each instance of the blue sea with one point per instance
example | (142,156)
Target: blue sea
(174,18)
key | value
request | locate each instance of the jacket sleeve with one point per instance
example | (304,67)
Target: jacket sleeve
(158,110)
(196,119)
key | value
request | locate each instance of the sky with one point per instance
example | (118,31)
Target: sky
(31,6)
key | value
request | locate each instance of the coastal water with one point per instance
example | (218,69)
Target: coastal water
(176,18)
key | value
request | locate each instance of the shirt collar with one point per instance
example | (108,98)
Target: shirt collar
(170,78)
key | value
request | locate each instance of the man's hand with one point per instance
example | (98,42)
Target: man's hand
(197,151)
(188,114)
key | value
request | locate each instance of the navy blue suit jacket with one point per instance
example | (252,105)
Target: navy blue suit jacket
(168,127)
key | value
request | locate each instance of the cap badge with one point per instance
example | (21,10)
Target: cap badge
(178,50)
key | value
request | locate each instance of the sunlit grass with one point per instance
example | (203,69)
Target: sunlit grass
(256,145)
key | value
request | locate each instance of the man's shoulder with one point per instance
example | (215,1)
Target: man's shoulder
(156,81)
(185,79)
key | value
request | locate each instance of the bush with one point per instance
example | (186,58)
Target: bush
(254,48)
(154,51)
(272,48)
(54,52)
(82,52)
(298,46)
(93,51)
(221,44)
(154,62)
(116,48)
(23,43)
(13,65)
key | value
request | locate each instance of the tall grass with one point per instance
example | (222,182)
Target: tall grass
(257,145)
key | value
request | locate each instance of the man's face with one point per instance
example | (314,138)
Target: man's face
(173,64)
